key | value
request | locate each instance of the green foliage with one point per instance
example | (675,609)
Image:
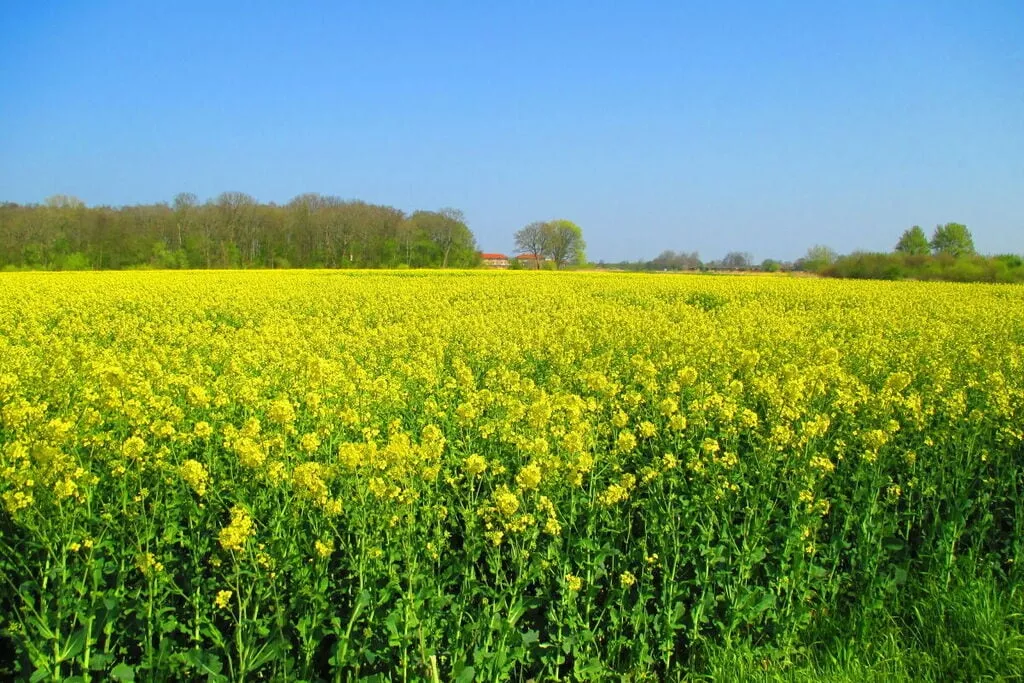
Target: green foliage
(231,231)
(967,628)
(914,242)
(952,239)
(563,243)
(74,261)
(1011,261)
(818,258)
(900,266)
(707,301)
(446,234)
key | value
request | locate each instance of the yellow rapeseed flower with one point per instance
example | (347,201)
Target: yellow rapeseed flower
(223,599)
(195,475)
(475,465)
(241,528)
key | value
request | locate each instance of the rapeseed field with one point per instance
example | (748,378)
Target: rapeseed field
(314,475)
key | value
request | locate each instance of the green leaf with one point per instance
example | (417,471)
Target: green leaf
(123,672)
(99,662)
(205,662)
(817,571)
(268,652)
(464,674)
(893,543)
(74,645)
(767,601)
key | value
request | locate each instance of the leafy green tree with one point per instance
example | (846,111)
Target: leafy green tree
(953,239)
(913,241)
(451,237)
(562,242)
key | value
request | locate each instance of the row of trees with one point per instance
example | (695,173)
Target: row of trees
(669,260)
(952,239)
(948,255)
(558,241)
(903,266)
(231,231)
(312,230)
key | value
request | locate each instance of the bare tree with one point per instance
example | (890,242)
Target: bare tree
(736,260)
(530,240)
(184,214)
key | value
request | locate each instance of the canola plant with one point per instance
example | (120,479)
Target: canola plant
(312,475)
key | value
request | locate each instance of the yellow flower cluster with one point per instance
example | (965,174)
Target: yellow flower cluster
(195,475)
(238,532)
(223,599)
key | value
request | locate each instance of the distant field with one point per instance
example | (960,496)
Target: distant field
(315,475)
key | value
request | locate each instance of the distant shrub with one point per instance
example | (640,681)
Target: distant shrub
(965,270)
(1009,260)
(75,261)
(899,266)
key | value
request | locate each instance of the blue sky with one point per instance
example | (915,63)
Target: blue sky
(709,126)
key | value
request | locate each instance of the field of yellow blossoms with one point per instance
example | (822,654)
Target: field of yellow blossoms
(310,475)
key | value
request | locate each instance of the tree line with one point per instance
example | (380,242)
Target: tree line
(949,254)
(232,230)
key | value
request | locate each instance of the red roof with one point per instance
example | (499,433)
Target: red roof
(493,256)
(527,256)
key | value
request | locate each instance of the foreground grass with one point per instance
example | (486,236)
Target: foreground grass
(971,631)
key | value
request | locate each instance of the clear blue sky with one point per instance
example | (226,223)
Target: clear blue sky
(709,126)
